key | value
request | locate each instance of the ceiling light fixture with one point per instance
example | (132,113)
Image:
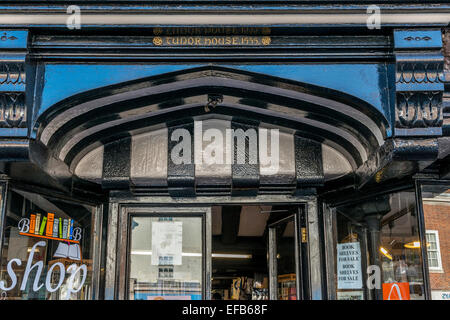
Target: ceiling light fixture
(414,245)
(232,255)
(385,253)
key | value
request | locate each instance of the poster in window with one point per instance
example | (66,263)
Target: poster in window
(167,241)
(349,265)
(350,295)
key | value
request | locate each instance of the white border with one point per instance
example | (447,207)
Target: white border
(439,267)
(416,18)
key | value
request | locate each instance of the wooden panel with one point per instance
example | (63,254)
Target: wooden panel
(149,158)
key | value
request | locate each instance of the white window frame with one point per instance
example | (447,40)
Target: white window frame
(439,267)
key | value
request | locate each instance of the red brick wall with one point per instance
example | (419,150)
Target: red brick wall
(437,217)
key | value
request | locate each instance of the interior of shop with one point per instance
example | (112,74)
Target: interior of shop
(240,252)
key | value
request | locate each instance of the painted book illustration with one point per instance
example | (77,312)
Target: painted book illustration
(65,250)
(55,228)
(37,224)
(69,224)
(71,229)
(41,230)
(32,223)
(50,221)
(64,230)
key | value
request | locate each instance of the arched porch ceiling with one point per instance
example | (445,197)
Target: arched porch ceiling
(78,124)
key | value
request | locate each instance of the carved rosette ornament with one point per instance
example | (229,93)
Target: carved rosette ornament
(419,82)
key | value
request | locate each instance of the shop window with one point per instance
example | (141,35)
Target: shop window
(166,258)
(436,213)
(47,248)
(382,233)
(401,258)
(433,250)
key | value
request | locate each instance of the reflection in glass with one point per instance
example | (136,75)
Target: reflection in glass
(286,261)
(165,258)
(400,239)
(436,211)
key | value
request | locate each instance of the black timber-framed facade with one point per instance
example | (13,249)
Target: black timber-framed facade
(86,117)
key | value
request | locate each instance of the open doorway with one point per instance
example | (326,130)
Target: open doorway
(256,252)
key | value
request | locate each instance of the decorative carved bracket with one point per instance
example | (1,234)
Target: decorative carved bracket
(12,73)
(213,101)
(419,82)
(422,109)
(13,109)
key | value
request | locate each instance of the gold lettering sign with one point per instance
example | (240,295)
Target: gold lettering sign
(304,235)
(212,41)
(211,31)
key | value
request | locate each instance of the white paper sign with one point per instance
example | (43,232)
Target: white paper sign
(350,295)
(167,242)
(349,265)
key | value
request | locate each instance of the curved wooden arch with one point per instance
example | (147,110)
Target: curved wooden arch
(74,126)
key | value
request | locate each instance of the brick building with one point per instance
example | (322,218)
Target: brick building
(437,223)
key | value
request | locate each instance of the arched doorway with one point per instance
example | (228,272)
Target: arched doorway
(141,142)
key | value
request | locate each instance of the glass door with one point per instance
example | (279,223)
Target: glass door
(284,259)
(168,255)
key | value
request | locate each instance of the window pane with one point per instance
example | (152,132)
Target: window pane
(349,271)
(286,261)
(433,263)
(166,258)
(432,255)
(432,246)
(51,259)
(391,225)
(401,255)
(436,211)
